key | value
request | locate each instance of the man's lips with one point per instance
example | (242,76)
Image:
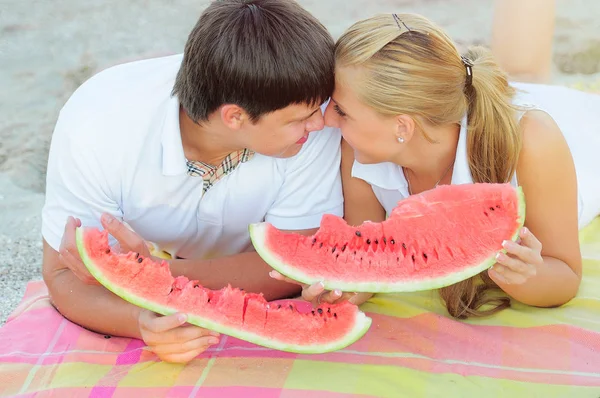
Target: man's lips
(302,140)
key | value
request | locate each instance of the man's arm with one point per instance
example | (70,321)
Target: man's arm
(245,270)
(91,306)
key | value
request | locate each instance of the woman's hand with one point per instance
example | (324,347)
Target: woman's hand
(520,262)
(317,295)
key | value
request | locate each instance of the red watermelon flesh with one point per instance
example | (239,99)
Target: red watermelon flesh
(247,316)
(431,240)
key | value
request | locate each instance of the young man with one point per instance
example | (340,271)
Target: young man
(188,150)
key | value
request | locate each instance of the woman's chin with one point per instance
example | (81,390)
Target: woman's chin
(364,158)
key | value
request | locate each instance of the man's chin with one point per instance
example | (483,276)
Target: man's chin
(288,152)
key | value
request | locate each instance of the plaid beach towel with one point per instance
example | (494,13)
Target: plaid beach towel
(413,349)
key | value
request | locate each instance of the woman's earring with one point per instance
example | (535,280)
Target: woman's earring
(401,140)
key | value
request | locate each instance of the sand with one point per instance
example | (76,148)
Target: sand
(48,48)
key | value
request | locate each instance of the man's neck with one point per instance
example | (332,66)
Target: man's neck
(205,143)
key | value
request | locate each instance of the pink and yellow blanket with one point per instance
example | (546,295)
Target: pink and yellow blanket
(412,350)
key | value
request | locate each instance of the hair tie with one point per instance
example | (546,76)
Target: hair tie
(399,21)
(469,67)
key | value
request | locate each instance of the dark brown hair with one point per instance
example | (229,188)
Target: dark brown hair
(262,55)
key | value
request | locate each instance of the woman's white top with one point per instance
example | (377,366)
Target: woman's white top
(576,113)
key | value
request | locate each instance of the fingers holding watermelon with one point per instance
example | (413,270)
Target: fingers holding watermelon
(69,255)
(171,339)
(520,262)
(128,240)
(317,295)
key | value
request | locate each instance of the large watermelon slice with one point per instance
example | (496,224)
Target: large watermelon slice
(431,240)
(247,316)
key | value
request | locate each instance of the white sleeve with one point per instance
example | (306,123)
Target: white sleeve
(312,185)
(76,179)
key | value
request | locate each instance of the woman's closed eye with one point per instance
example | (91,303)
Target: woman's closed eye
(339,111)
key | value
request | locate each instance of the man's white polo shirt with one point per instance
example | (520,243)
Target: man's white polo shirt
(117,148)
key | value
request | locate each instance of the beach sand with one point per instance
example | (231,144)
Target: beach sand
(47,49)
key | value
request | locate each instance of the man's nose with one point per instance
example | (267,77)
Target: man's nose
(316,122)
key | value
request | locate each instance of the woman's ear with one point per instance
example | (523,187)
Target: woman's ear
(405,128)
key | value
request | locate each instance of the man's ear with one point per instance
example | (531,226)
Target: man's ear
(233,116)
(405,127)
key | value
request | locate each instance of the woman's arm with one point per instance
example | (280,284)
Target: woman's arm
(360,203)
(546,173)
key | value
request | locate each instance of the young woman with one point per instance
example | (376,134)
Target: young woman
(415,114)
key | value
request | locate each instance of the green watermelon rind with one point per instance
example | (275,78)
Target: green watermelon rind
(258,233)
(362,323)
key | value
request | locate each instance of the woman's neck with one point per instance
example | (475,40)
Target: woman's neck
(431,163)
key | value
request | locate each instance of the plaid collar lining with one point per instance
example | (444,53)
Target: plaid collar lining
(212,174)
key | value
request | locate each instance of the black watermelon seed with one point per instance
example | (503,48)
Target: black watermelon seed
(492,209)
(137,255)
(107,251)
(313,312)
(384,241)
(291,307)
(208,300)
(392,241)
(139,260)
(413,257)
(497,206)
(355,253)
(314,241)
(376,242)
(425,256)
(321,245)
(279,306)
(335,315)
(329,310)
(333,250)
(196,286)
(319,310)
(107,336)
(403,246)
(337,256)
(358,234)
(368,241)
(344,247)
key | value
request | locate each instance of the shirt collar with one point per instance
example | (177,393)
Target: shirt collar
(173,157)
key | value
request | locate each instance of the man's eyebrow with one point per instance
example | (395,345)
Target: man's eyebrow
(306,117)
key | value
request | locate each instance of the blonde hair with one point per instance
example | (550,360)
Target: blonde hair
(410,66)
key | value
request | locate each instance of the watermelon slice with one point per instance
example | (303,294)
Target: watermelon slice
(431,240)
(247,316)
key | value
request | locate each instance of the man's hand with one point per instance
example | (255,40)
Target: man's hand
(126,238)
(171,339)
(317,295)
(69,255)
